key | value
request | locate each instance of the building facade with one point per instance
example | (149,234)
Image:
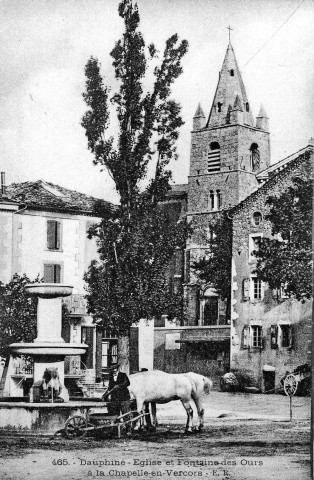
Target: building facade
(44,235)
(270,332)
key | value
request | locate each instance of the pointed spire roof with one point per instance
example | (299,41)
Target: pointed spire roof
(199,112)
(230,85)
(262,113)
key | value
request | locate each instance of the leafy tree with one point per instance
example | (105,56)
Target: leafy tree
(287,258)
(215,267)
(137,239)
(17,313)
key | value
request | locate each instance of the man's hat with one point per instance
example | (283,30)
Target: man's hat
(114,367)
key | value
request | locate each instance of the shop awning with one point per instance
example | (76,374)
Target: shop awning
(204,340)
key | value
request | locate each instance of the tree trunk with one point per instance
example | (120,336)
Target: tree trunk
(123,353)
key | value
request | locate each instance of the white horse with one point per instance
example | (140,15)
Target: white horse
(160,387)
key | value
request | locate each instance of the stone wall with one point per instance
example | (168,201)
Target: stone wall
(203,350)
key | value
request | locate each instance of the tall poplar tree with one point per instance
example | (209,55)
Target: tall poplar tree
(137,239)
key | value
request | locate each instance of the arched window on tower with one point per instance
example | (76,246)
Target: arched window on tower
(219,106)
(213,163)
(219,199)
(247,107)
(255,157)
(211,200)
(232,72)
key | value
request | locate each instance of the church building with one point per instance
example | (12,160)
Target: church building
(230,171)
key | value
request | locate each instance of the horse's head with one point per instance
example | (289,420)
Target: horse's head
(208,385)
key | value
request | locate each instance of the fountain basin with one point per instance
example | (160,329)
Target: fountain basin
(40,418)
(49,348)
(48,290)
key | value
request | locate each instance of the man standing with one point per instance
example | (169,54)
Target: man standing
(118,393)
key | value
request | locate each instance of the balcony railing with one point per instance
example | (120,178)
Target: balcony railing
(23,366)
(76,304)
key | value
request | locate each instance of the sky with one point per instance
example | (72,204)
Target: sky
(45,44)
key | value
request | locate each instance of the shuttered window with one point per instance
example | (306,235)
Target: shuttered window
(256,336)
(213,159)
(52,273)
(285,336)
(256,288)
(53,235)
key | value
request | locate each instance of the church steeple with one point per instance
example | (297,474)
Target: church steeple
(230,86)
(199,118)
(262,120)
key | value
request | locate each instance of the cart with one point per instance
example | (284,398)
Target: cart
(292,380)
(100,422)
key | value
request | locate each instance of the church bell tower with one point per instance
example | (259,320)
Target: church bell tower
(227,152)
(230,148)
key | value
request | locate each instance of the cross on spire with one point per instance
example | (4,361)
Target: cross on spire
(229,28)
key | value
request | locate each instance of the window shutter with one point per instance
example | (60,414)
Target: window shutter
(57,276)
(51,234)
(58,235)
(275,293)
(48,273)
(262,339)
(274,336)
(246,336)
(98,352)
(88,338)
(187,265)
(292,336)
(246,289)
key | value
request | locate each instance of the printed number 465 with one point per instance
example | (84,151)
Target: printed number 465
(60,461)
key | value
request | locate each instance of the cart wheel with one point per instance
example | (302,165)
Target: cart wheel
(75,426)
(290,385)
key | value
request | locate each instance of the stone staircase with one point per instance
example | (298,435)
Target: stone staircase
(89,387)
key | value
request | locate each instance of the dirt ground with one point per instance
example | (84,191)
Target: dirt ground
(246,437)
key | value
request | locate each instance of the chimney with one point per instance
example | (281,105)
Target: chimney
(2,183)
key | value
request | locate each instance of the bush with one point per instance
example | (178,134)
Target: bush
(237,381)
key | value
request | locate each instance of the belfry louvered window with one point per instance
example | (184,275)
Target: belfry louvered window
(213,163)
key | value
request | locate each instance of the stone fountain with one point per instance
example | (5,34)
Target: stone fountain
(49,349)
(48,352)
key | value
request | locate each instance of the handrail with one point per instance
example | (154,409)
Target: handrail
(15,387)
